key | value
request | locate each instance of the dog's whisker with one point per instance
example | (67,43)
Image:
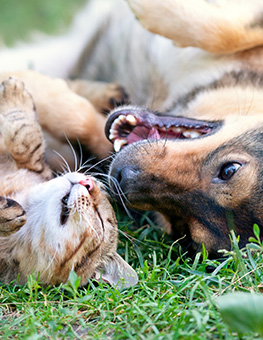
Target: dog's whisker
(251,102)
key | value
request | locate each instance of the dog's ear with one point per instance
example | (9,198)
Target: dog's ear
(118,273)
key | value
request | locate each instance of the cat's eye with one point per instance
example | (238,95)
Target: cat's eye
(64,210)
(65,199)
(228,170)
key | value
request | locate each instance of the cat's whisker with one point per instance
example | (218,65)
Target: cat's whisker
(73,209)
(105,182)
(85,164)
(50,262)
(128,237)
(93,229)
(98,163)
(121,196)
(54,173)
(65,166)
(120,193)
(58,173)
(80,213)
(134,241)
(76,163)
(65,171)
(80,155)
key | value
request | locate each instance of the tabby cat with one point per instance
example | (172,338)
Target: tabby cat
(50,226)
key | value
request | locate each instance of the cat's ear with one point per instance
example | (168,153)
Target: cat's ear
(117,273)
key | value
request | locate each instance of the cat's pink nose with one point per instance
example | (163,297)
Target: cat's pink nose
(88,183)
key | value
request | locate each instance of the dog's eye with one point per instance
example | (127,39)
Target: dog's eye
(228,170)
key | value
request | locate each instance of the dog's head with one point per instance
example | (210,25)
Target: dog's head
(204,177)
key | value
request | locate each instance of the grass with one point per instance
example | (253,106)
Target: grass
(19,18)
(176,297)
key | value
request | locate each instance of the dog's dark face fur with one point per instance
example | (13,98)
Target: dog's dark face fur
(203,186)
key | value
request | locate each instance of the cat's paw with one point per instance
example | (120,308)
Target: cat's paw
(14,97)
(12,216)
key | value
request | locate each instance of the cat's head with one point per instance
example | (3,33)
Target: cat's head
(70,226)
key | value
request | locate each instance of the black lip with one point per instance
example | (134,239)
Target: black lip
(151,118)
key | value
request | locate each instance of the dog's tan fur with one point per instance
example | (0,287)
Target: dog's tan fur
(220,27)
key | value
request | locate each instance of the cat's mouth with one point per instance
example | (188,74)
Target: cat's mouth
(129,125)
(88,183)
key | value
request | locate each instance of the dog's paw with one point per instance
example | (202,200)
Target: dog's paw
(115,95)
(14,97)
(104,96)
(12,216)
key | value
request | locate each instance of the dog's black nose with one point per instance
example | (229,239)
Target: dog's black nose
(125,176)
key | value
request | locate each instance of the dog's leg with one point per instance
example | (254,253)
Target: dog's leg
(104,96)
(218,26)
(62,113)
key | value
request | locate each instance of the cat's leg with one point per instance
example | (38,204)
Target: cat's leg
(20,128)
(104,96)
(217,26)
(63,113)
(12,216)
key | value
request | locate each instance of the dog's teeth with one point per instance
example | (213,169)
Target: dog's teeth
(114,126)
(121,118)
(118,120)
(191,134)
(195,134)
(118,144)
(113,134)
(177,129)
(187,134)
(131,119)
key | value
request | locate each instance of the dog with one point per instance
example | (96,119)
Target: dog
(198,160)
(189,144)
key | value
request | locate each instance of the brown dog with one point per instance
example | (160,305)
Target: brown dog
(199,164)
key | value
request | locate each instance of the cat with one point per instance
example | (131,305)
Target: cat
(50,226)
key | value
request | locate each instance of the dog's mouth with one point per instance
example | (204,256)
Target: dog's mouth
(129,125)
